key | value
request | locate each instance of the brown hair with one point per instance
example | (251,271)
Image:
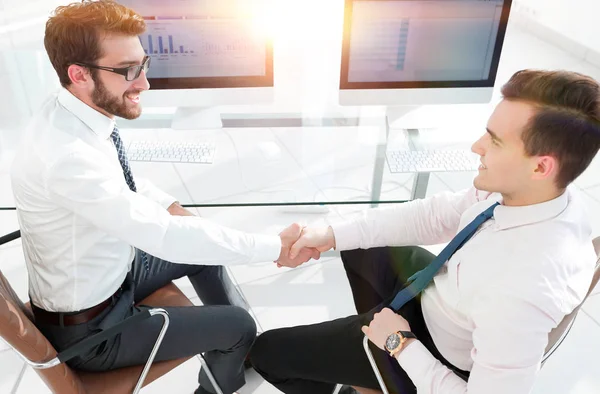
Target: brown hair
(566,124)
(74,32)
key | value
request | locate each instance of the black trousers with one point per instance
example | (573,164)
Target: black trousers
(222,328)
(314,358)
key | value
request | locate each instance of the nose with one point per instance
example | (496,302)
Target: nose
(141,82)
(477,147)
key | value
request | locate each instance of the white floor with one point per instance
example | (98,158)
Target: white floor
(319,291)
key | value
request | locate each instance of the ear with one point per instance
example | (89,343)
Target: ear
(79,75)
(547,166)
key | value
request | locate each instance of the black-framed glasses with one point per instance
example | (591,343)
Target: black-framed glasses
(130,73)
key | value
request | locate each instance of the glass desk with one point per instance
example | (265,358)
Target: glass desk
(309,167)
(296,166)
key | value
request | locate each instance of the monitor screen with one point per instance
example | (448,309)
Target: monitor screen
(400,44)
(204,44)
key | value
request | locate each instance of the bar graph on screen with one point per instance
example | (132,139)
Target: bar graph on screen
(151,49)
(217,45)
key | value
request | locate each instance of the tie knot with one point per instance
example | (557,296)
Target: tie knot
(489,213)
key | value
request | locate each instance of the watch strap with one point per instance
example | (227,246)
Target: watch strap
(408,334)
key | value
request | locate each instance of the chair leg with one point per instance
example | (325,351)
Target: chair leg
(363,390)
(211,377)
(161,335)
(374,366)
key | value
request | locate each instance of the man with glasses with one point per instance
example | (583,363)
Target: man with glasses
(97,239)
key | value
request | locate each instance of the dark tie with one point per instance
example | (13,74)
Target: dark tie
(116,138)
(420,280)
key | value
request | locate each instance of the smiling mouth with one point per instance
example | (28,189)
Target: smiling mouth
(133,97)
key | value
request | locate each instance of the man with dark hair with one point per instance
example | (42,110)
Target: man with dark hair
(476,318)
(97,240)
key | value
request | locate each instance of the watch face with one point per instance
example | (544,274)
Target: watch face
(392,342)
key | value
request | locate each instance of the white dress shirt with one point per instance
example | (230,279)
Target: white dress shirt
(490,308)
(80,222)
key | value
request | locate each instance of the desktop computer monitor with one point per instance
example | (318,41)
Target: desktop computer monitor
(419,52)
(204,53)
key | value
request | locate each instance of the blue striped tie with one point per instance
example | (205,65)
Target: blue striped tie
(116,138)
(419,281)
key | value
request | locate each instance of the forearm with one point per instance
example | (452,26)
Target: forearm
(509,338)
(105,201)
(420,222)
(199,241)
(428,374)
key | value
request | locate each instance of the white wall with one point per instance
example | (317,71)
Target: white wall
(26,75)
(576,19)
(307,48)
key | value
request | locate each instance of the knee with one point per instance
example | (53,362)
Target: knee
(245,325)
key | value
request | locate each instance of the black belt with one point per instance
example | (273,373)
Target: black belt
(71,319)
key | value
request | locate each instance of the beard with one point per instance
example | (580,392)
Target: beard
(115,105)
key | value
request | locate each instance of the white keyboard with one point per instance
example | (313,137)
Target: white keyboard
(432,161)
(172,151)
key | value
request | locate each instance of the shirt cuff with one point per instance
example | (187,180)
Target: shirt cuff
(416,360)
(266,247)
(347,235)
(166,200)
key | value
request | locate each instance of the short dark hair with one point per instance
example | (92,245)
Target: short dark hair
(566,124)
(74,32)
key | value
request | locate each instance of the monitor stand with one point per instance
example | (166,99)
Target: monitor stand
(419,189)
(194,118)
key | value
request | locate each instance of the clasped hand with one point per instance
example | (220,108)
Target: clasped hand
(300,244)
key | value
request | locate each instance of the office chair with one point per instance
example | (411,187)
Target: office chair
(555,337)
(18,330)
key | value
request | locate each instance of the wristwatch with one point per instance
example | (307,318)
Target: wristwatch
(395,341)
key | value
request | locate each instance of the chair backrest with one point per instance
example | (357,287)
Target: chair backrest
(557,335)
(17,328)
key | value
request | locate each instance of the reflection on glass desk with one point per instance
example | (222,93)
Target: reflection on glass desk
(172,151)
(443,160)
(316,168)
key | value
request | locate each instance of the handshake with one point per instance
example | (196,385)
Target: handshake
(300,244)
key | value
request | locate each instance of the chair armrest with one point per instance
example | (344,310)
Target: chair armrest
(10,237)
(88,343)
(96,339)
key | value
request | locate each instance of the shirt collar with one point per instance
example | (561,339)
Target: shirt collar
(99,123)
(507,217)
